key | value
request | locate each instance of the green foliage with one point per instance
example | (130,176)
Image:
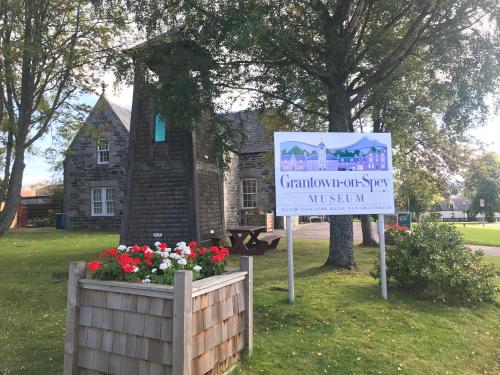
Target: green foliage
(482,182)
(434,262)
(417,186)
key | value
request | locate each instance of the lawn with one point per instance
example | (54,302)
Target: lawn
(338,325)
(476,234)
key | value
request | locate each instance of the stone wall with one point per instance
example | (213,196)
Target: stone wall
(82,173)
(248,165)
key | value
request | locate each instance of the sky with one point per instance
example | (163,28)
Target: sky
(39,170)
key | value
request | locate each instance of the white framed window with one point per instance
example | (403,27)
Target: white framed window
(249,193)
(103,201)
(102,151)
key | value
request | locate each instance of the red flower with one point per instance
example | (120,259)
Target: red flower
(214,249)
(144,248)
(135,249)
(149,254)
(112,252)
(193,245)
(217,258)
(148,262)
(93,266)
(163,246)
(202,251)
(127,268)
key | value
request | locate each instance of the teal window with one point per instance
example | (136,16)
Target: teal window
(160,129)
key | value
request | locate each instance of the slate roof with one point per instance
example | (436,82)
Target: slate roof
(459,202)
(123,114)
(249,133)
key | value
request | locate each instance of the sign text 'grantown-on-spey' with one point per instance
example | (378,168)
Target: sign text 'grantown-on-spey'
(333,173)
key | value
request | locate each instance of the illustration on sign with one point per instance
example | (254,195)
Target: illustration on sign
(333,173)
(364,155)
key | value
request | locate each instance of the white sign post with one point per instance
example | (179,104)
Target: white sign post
(333,174)
(289,242)
(381,242)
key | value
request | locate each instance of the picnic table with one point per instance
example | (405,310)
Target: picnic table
(255,245)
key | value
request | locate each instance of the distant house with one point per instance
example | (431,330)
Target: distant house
(95,169)
(96,161)
(454,209)
(457,208)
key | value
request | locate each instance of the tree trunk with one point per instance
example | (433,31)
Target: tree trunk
(366,228)
(8,159)
(341,252)
(13,197)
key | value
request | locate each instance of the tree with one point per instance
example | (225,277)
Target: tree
(50,52)
(482,182)
(327,58)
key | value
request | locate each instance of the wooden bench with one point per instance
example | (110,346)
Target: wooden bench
(268,242)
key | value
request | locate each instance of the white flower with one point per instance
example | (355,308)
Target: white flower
(157,243)
(166,264)
(136,269)
(128,248)
(186,251)
(182,261)
(154,270)
(181,244)
(197,268)
(174,256)
(122,247)
(146,280)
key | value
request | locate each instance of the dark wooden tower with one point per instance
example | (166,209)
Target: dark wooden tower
(174,186)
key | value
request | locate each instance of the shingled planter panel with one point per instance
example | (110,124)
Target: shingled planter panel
(199,327)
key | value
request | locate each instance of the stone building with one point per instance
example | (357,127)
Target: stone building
(160,181)
(95,169)
(248,182)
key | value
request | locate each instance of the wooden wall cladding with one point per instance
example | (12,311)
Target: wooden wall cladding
(196,328)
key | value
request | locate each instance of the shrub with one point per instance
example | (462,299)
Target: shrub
(434,262)
(141,264)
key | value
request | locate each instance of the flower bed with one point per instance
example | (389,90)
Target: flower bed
(124,327)
(141,263)
(392,232)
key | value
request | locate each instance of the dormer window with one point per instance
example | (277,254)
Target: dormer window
(160,129)
(102,151)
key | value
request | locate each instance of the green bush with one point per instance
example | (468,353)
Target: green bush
(433,262)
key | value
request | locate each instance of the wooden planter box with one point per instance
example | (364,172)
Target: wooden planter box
(199,327)
(266,219)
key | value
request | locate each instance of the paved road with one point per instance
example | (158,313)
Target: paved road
(321,231)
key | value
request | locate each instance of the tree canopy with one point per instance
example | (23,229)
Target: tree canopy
(51,51)
(482,185)
(334,63)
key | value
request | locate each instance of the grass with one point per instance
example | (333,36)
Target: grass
(338,325)
(476,234)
